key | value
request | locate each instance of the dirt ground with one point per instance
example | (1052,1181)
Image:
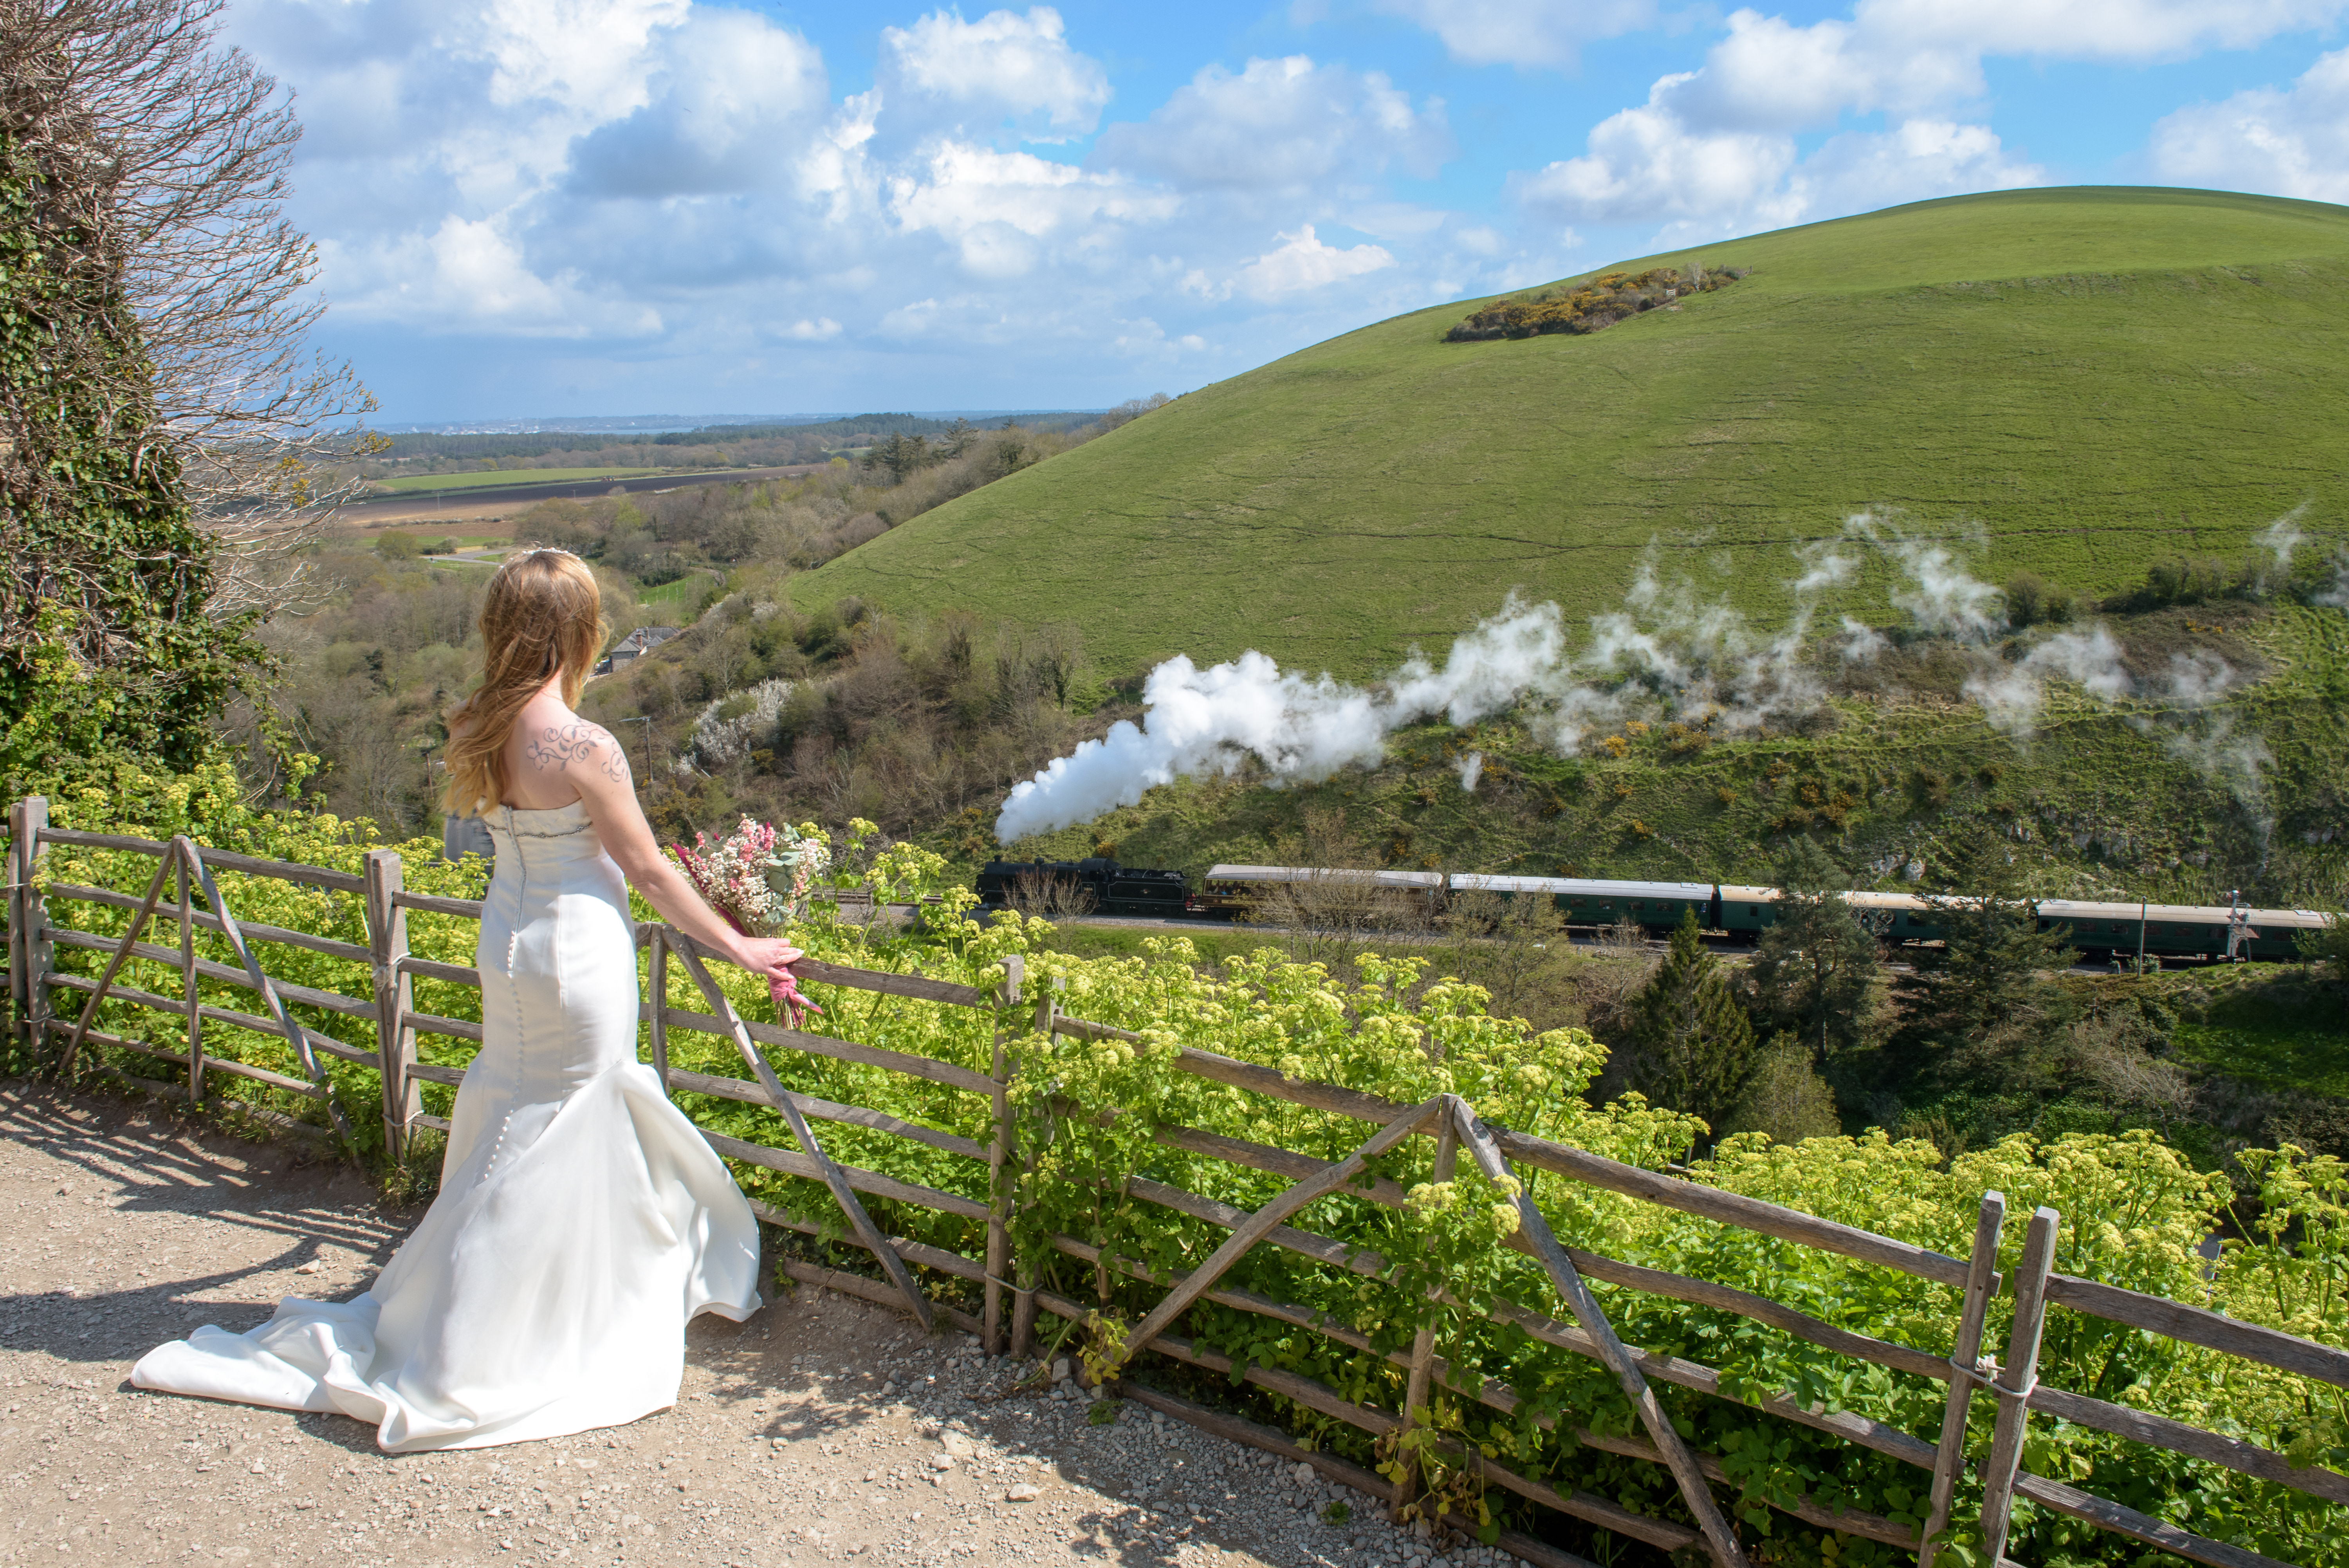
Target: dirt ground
(825,1428)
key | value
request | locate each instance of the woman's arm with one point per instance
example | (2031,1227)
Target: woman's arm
(591,760)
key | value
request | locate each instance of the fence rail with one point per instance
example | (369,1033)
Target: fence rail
(183,892)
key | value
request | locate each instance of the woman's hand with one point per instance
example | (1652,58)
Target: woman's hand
(605,785)
(772,959)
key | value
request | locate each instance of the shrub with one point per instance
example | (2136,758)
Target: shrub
(1590,307)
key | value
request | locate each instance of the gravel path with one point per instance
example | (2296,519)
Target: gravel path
(823,1429)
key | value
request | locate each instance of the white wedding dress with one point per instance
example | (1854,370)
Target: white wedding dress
(581,1220)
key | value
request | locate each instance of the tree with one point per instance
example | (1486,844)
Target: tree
(1785,1098)
(158,428)
(1985,1002)
(901,456)
(1692,1045)
(1817,973)
(2327,950)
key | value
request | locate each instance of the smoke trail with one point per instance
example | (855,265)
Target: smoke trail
(2011,694)
(1668,650)
(1204,722)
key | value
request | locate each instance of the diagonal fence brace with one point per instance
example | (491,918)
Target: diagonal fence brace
(182,852)
(295,1034)
(689,953)
(1718,1536)
(129,940)
(1261,1223)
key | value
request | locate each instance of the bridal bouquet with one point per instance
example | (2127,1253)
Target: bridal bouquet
(758,877)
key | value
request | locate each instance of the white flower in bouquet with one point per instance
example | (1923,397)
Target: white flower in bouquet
(758,876)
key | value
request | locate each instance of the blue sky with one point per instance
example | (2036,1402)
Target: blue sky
(567,207)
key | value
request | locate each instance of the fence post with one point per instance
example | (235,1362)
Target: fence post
(2015,1380)
(1423,1345)
(30,970)
(16,892)
(999,1154)
(1023,1304)
(1965,1357)
(656,974)
(395,992)
(187,990)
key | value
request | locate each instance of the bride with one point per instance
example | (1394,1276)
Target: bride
(581,1220)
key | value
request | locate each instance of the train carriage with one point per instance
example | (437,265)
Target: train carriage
(1546,889)
(1651,906)
(2178,931)
(1233,889)
(1746,911)
(2276,932)
(1897,917)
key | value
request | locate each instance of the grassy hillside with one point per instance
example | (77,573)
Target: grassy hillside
(2095,377)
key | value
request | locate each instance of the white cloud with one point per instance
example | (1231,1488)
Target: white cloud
(581,54)
(1301,262)
(1019,69)
(2292,142)
(1647,163)
(1713,150)
(996,206)
(467,276)
(729,94)
(1521,32)
(1279,124)
(820,330)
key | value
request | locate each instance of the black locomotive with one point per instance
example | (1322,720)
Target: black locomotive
(1081,886)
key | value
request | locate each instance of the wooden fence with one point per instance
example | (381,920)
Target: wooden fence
(183,875)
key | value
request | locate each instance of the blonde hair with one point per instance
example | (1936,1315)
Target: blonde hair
(543,613)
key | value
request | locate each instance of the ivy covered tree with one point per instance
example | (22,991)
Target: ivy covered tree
(159,427)
(1691,1045)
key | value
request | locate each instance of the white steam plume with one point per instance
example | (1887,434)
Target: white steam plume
(2011,694)
(1668,651)
(1204,722)
(2282,537)
(1861,642)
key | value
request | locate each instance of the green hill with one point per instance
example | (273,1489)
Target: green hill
(2096,377)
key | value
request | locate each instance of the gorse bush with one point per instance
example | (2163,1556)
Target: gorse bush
(1088,1114)
(1590,306)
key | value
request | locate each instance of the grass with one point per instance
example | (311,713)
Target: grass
(683,590)
(2080,380)
(416,482)
(2291,1036)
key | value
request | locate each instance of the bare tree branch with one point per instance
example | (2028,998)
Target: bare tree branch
(162,159)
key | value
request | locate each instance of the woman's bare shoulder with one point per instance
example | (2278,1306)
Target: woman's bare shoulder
(563,742)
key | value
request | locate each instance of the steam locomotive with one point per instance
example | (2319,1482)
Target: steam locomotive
(2100,930)
(1083,886)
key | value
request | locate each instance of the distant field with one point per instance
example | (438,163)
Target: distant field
(2072,381)
(430,481)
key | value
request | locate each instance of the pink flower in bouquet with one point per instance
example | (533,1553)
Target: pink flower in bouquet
(737,877)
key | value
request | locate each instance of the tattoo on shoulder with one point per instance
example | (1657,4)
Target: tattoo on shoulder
(563,745)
